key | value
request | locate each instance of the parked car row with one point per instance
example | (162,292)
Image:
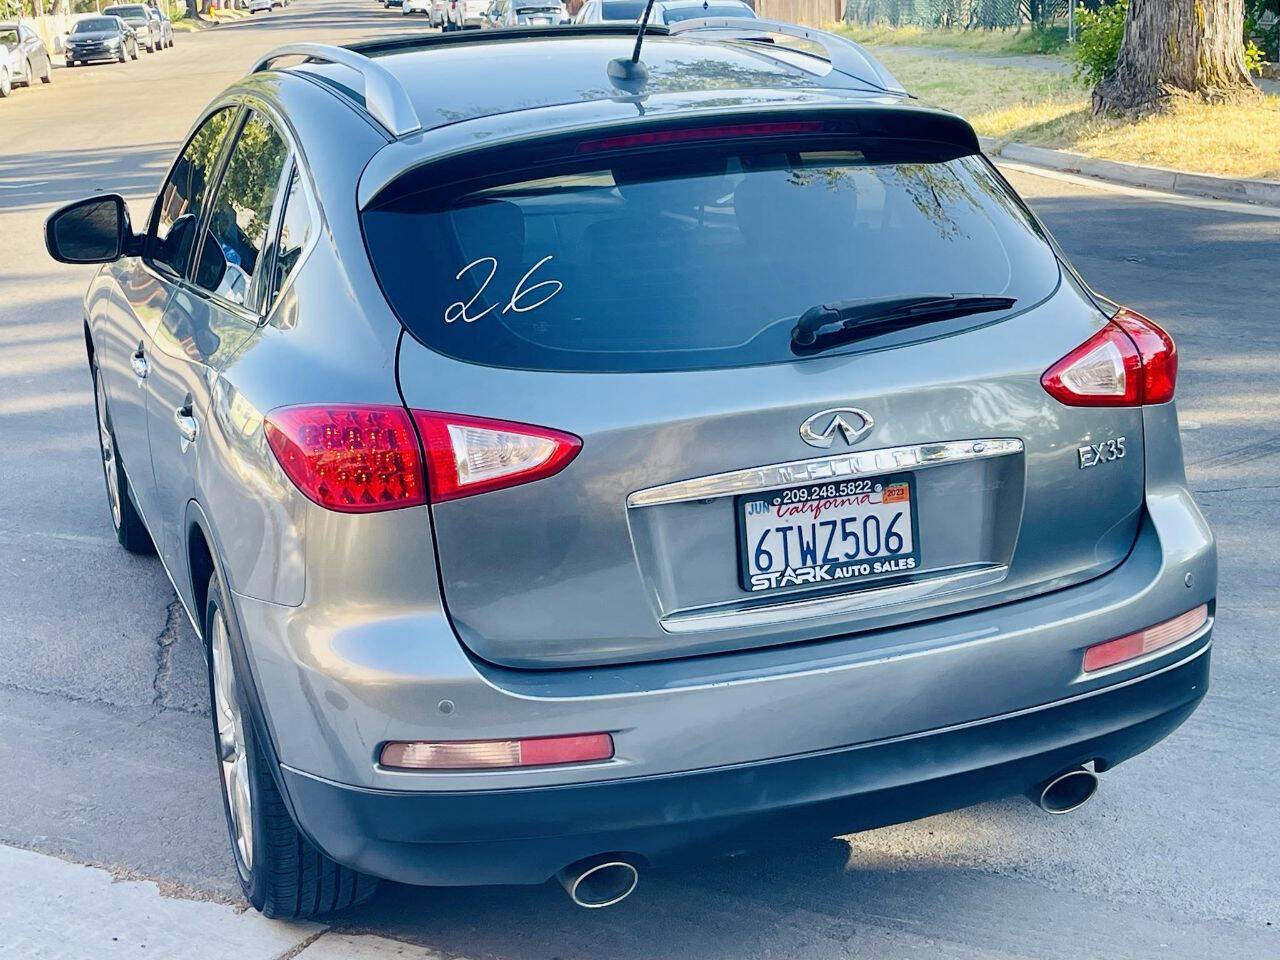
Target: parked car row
(23,58)
(118,34)
(472,14)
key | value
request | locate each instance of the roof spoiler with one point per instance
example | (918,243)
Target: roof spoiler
(845,56)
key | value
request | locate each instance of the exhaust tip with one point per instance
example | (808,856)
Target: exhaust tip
(1068,791)
(599,882)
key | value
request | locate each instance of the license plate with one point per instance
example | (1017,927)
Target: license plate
(828,534)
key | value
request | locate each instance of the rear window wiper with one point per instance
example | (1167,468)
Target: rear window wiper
(830,324)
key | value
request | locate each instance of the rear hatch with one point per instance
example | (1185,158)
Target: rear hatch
(733,490)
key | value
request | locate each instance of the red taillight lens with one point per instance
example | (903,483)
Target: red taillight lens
(488,754)
(468,455)
(1128,363)
(354,459)
(1134,645)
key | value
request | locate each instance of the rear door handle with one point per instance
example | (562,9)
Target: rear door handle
(141,366)
(188,425)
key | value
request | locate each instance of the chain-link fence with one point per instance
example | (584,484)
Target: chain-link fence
(958,14)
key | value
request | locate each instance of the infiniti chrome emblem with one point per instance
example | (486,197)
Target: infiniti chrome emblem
(850,423)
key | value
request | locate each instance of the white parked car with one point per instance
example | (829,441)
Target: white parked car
(465,14)
(266,5)
(416,6)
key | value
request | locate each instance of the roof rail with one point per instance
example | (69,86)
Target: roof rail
(385,99)
(847,57)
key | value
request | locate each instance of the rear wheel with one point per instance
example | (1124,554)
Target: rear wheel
(6,85)
(131,532)
(281,873)
(47,76)
(29,78)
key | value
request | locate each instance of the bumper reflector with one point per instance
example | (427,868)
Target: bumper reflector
(1134,645)
(491,754)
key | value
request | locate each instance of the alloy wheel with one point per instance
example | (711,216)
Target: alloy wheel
(107,445)
(231,744)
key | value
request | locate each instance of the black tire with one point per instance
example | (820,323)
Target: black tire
(124,56)
(6,85)
(133,54)
(30,80)
(131,532)
(47,76)
(288,877)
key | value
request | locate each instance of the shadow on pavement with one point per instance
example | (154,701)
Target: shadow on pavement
(45,180)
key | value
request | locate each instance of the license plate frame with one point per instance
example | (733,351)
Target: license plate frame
(853,575)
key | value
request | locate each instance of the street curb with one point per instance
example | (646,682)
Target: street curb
(1265,192)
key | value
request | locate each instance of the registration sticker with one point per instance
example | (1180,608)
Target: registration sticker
(828,534)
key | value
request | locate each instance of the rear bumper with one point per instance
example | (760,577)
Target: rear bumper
(525,835)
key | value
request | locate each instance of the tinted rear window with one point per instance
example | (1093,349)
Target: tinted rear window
(676,14)
(695,259)
(622,9)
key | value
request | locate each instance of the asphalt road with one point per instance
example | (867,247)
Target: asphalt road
(104,737)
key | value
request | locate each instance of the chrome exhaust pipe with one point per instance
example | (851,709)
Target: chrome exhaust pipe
(1069,790)
(599,881)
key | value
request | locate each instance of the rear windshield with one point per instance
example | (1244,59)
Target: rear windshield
(622,9)
(682,259)
(676,14)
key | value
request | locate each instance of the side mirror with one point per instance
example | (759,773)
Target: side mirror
(95,230)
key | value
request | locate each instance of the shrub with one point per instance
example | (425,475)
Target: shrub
(1254,58)
(1098,38)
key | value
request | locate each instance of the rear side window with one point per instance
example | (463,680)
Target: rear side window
(696,259)
(231,253)
(181,199)
(297,224)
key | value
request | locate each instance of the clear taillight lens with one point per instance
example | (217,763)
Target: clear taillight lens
(353,459)
(469,455)
(490,754)
(1128,363)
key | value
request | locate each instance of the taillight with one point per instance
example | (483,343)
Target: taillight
(353,459)
(482,754)
(468,455)
(1134,645)
(1128,363)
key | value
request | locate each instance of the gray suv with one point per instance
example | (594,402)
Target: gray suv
(635,456)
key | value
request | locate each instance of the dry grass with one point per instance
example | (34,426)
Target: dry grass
(1045,109)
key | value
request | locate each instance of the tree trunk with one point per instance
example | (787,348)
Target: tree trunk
(1176,48)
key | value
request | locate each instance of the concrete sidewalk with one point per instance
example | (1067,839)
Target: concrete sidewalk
(55,910)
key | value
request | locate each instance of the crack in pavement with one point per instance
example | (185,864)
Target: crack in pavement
(164,653)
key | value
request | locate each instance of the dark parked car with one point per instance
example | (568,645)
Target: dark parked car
(23,57)
(616,460)
(101,38)
(139,19)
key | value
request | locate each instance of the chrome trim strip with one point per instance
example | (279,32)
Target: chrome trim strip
(869,598)
(797,473)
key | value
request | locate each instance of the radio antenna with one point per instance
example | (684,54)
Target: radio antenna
(633,69)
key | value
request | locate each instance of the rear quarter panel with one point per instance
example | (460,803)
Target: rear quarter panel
(329,338)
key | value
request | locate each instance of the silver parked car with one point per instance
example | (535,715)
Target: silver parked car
(137,15)
(750,463)
(23,57)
